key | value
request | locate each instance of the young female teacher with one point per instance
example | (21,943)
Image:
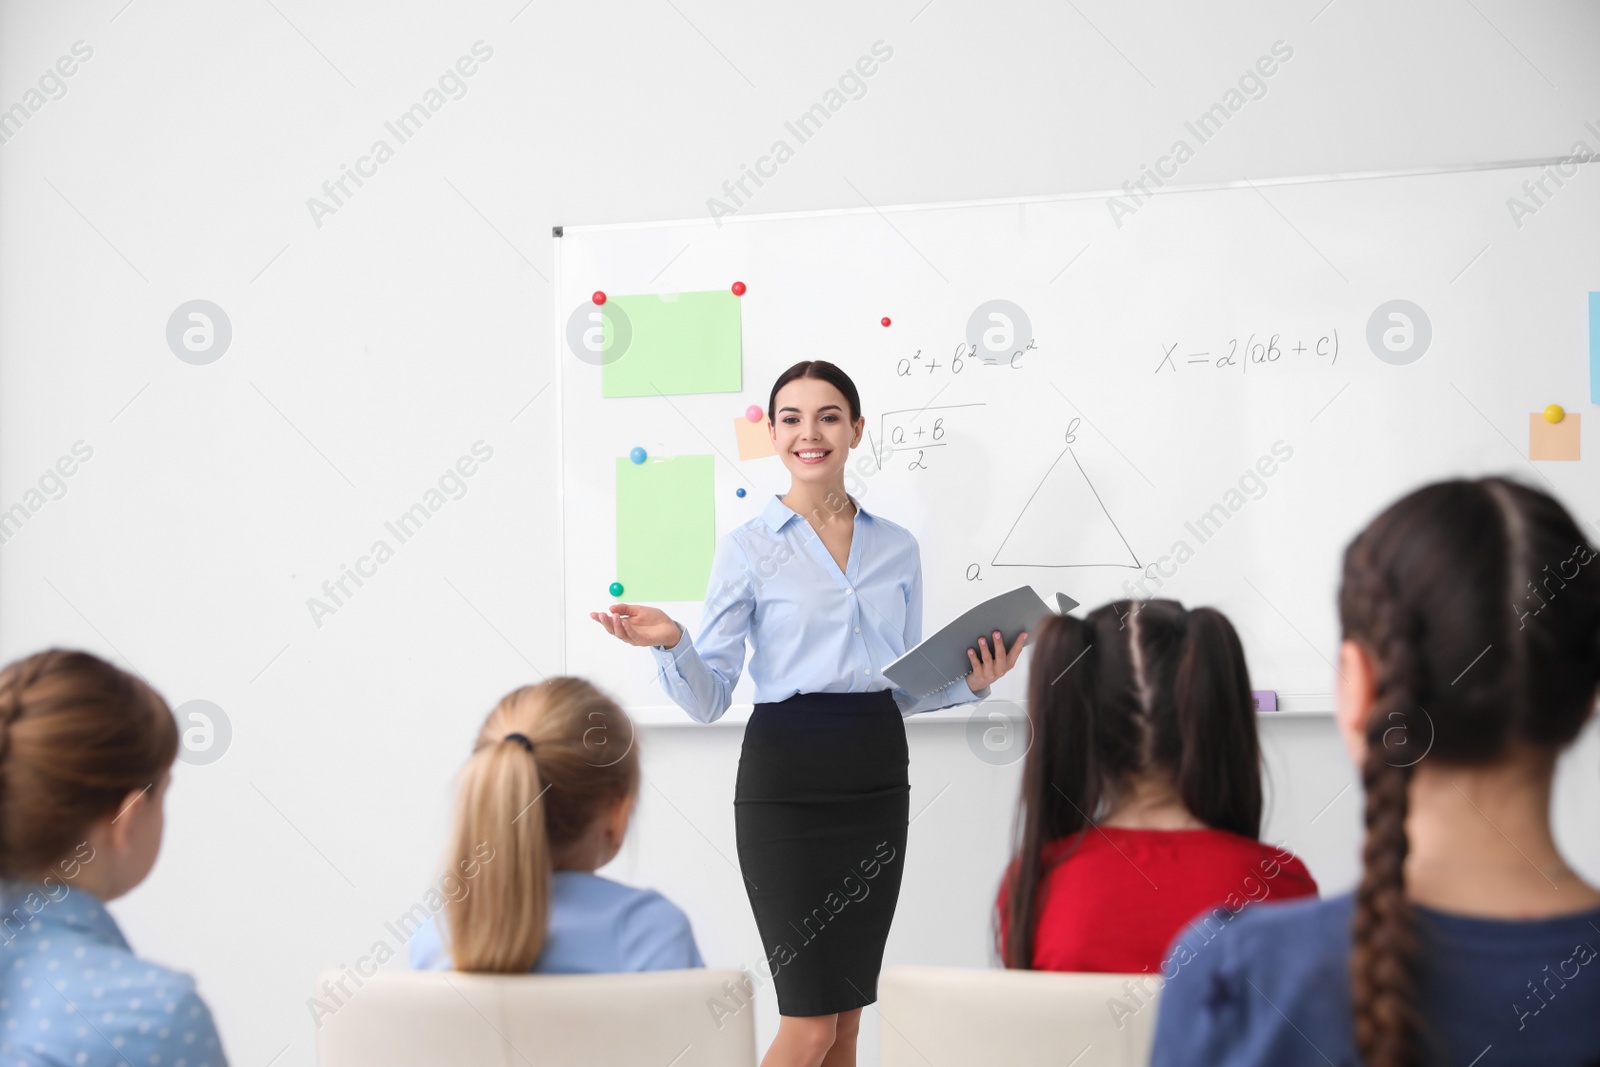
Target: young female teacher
(828,594)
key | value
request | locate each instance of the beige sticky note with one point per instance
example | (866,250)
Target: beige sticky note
(755,440)
(1553,440)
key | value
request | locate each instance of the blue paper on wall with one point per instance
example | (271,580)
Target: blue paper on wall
(1594,348)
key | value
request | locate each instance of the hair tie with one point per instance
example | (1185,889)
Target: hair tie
(520,739)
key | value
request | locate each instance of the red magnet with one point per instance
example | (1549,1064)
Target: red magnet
(886,320)
(738,288)
(599,297)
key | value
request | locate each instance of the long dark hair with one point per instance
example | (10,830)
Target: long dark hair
(816,368)
(1458,679)
(1137,686)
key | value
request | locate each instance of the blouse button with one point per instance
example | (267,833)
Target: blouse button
(867,671)
(849,592)
(858,629)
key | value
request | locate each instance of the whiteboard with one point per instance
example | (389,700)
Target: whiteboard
(1196,399)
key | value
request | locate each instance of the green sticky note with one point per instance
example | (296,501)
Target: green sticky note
(672,343)
(666,528)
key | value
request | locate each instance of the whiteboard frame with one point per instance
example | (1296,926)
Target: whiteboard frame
(1052,198)
(1292,706)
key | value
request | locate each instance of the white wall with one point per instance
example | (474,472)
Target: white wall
(372,350)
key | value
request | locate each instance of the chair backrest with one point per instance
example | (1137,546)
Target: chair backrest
(688,1018)
(939,1016)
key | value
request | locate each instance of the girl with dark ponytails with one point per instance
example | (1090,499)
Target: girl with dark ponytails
(1470,660)
(1141,796)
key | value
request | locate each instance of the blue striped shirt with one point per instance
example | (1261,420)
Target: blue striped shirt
(812,627)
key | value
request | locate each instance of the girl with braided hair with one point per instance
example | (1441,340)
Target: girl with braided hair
(1469,939)
(86,753)
(1141,795)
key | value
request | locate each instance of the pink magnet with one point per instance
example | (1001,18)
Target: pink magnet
(754,413)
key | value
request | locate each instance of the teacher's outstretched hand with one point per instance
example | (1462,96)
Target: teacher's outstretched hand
(640,624)
(989,668)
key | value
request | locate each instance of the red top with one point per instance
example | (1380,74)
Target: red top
(1117,901)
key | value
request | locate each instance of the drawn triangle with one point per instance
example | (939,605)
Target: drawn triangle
(1064,524)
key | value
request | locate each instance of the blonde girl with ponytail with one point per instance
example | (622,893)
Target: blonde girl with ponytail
(544,802)
(1470,662)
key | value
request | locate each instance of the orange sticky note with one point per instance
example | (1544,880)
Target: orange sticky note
(755,440)
(1553,440)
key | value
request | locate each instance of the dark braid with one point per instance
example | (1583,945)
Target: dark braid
(1384,961)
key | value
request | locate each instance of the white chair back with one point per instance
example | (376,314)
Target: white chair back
(947,1017)
(687,1018)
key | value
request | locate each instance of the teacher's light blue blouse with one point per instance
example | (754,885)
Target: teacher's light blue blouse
(73,992)
(812,627)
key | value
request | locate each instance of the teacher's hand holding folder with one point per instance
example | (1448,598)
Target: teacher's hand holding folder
(987,669)
(948,654)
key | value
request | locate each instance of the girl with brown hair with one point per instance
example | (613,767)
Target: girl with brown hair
(86,755)
(544,802)
(1141,794)
(1470,660)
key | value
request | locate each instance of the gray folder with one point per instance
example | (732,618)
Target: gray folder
(942,658)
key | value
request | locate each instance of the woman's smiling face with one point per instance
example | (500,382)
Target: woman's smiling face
(813,432)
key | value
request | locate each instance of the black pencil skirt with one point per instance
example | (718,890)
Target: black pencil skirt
(820,810)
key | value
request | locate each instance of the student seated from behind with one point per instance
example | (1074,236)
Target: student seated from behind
(1141,794)
(86,754)
(1469,939)
(545,801)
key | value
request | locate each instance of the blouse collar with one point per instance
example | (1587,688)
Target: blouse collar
(777,513)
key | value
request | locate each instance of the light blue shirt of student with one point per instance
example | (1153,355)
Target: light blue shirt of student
(73,994)
(597,926)
(813,627)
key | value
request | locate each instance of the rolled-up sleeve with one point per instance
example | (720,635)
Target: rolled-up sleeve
(952,693)
(700,679)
